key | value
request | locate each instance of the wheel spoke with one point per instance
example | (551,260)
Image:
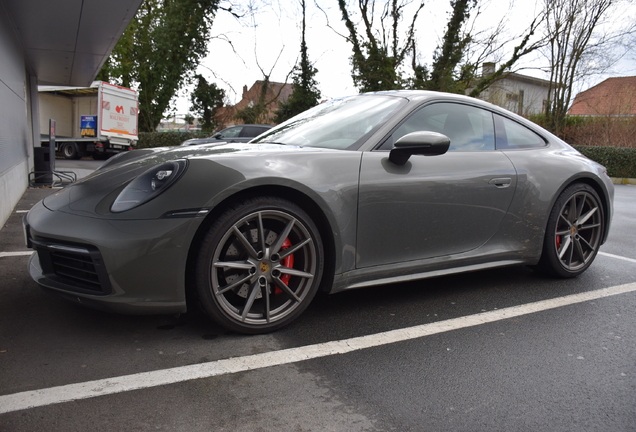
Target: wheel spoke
(565,220)
(234,285)
(590,247)
(587,215)
(572,211)
(247,245)
(586,227)
(283,235)
(294,272)
(282,285)
(261,232)
(265,294)
(570,255)
(579,207)
(564,246)
(294,248)
(250,300)
(239,265)
(579,250)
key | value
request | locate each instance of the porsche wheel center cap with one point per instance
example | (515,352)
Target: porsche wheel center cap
(264,267)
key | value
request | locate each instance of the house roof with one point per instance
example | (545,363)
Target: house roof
(281,90)
(277,93)
(526,78)
(614,96)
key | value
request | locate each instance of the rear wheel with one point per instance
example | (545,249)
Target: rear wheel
(259,265)
(574,232)
(69,151)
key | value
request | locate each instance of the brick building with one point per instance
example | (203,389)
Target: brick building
(612,97)
(275,94)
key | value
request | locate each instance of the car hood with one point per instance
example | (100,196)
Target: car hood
(227,164)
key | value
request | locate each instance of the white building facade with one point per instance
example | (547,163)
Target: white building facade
(51,42)
(521,94)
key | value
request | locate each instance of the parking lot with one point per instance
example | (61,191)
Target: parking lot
(497,350)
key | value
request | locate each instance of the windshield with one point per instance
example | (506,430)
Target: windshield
(338,124)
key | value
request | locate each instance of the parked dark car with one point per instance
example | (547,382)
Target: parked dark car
(232,134)
(366,190)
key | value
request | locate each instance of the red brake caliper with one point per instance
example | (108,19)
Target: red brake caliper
(288,261)
(558,242)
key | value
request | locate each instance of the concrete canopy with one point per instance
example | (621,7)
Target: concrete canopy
(66,42)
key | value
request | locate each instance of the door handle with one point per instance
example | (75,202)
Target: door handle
(501,182)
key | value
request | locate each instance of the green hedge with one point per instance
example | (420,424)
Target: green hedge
(163,139)
(619,161)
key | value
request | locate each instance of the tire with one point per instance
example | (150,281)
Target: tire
(69,151)
(249,278)
(574,232)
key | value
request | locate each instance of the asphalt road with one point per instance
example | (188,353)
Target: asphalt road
(566,368)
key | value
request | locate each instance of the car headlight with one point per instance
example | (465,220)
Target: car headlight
(149,185)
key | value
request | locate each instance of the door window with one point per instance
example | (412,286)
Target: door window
(230,132)
(252,131)
(469,128)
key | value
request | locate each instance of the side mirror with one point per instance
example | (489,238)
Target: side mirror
(425,143)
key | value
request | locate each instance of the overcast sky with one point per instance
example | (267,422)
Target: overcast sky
(272,41)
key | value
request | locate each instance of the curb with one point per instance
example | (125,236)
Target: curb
(623,181)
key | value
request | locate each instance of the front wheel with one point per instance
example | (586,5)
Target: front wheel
(259,265)
(574,232)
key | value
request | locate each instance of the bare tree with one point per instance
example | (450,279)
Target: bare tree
(262,110)
(578,45)
(499,44)
(379,50)
(305,94)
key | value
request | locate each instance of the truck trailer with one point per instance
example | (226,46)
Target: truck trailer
(97,121)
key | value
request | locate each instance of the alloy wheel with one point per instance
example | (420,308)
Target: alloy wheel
(578,231)
(263,267)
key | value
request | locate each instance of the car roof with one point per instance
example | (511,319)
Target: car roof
(250,124)
(421,95)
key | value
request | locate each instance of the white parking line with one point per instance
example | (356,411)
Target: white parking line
(90,389)
(13,254)
(618,257)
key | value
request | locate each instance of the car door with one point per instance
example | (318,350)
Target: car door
(434,205)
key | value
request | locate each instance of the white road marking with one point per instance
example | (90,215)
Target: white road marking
(13,254)
(90,389)
(21,211)
(618,257)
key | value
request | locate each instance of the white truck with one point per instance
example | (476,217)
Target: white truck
(96,121)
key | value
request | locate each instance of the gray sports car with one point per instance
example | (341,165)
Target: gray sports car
(360,191)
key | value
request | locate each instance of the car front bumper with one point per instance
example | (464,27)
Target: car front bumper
(123,266)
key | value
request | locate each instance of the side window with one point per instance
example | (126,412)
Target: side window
(469,128)
(248,131)
(231,132)
(252,131)
(512,135)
